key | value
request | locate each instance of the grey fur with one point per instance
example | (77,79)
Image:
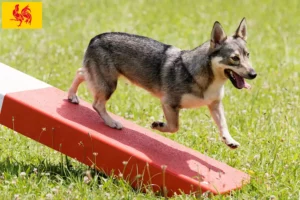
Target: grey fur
(157,67)
(164,70)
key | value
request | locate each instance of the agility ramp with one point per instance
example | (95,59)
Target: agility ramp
(43,113)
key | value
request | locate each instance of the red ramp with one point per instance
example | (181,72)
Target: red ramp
(42,113)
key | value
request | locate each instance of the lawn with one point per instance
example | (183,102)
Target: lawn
(265,119)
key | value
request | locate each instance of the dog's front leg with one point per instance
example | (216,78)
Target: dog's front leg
(171,114)
(217,112)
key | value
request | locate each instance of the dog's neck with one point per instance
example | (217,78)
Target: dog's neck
(198,64)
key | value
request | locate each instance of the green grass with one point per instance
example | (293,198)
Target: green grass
(265,120)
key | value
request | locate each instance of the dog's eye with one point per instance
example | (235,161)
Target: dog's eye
(235,58)
(248,55)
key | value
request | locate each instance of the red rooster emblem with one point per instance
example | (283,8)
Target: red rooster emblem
(25,14)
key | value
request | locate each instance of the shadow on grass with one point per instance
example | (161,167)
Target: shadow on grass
(45,167)
(11,168)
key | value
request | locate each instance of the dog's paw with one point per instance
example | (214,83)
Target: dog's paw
(231,143)
(163,127)
(115,124)
(157,125)
(73,99)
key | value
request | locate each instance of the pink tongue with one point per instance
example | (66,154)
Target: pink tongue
(247,86)
(240,81)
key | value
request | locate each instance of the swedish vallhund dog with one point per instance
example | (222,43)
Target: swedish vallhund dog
(179,78)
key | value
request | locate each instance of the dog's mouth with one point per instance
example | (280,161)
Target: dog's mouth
(236,80)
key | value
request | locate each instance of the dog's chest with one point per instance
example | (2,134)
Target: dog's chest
(214,92)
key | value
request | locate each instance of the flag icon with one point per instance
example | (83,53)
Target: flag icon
(22,15)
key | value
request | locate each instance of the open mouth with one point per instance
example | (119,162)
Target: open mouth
(238,81)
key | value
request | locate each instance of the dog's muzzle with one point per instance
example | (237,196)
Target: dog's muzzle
(252,74)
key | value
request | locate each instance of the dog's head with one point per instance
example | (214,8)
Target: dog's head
(229,55)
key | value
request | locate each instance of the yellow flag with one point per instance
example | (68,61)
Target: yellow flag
(22,15)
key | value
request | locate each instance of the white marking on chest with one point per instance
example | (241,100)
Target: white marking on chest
(192,101)
(214,92)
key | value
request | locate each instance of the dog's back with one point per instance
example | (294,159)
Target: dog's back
(114,54)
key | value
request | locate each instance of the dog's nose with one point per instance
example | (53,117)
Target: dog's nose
(252,74)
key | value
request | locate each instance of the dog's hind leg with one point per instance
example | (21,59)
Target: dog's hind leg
(79,78)
(101,78)
(99,105)
(171,114)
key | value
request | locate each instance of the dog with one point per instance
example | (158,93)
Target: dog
(179,78)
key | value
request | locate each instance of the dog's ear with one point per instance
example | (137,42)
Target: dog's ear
(218,35)
(242,30)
